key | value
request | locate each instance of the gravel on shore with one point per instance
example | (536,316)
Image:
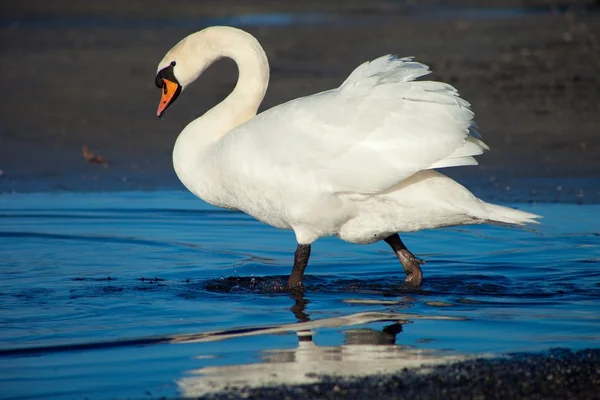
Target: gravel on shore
(556,374)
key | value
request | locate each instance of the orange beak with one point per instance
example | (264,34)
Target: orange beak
(170,91)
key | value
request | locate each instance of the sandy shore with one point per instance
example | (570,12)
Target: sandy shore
(83,75)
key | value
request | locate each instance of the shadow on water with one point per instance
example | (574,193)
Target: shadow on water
(118,293)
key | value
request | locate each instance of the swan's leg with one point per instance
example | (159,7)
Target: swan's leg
(414,275)
(300,262)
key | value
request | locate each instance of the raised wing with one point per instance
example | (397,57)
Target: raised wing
(377,129)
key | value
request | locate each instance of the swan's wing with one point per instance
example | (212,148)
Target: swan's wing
(377,129)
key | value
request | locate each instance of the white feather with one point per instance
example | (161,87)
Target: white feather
(365,136)
(355,161)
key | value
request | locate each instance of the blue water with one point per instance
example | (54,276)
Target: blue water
(157,294)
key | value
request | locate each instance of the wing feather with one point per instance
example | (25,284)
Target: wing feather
(377,129)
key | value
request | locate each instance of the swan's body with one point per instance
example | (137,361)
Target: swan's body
(356,162)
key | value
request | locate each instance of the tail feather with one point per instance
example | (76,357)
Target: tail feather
(509,215)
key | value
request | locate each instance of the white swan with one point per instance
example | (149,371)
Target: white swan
(356,162)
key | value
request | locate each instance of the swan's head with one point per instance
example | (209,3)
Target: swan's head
(170,86)
(182,65)
(185,62)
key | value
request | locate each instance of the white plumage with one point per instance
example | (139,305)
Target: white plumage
(356,162)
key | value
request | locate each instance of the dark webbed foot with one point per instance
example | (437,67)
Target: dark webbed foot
(414,274)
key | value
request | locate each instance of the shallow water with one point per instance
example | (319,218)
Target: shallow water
(156,293)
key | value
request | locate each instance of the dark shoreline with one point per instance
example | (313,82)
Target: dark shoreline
(531,78)
(555,374)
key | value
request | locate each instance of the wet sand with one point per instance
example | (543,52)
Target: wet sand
(84,76)
(556,374)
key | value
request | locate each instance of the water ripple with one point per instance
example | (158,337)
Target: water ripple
(126,276)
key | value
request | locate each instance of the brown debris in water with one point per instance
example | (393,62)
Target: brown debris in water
(89,157)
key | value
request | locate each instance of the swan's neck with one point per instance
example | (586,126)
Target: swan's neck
(253,67)
(207,47)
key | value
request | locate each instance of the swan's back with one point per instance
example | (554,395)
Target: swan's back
(377,129)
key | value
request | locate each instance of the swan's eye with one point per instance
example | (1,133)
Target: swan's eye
(165,73)
(158,81)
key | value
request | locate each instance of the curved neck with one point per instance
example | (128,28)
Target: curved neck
(242,103)
(203,49)
(253,79)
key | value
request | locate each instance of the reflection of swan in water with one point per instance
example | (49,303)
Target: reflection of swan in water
(355,340)
(361,345)
(364,352)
